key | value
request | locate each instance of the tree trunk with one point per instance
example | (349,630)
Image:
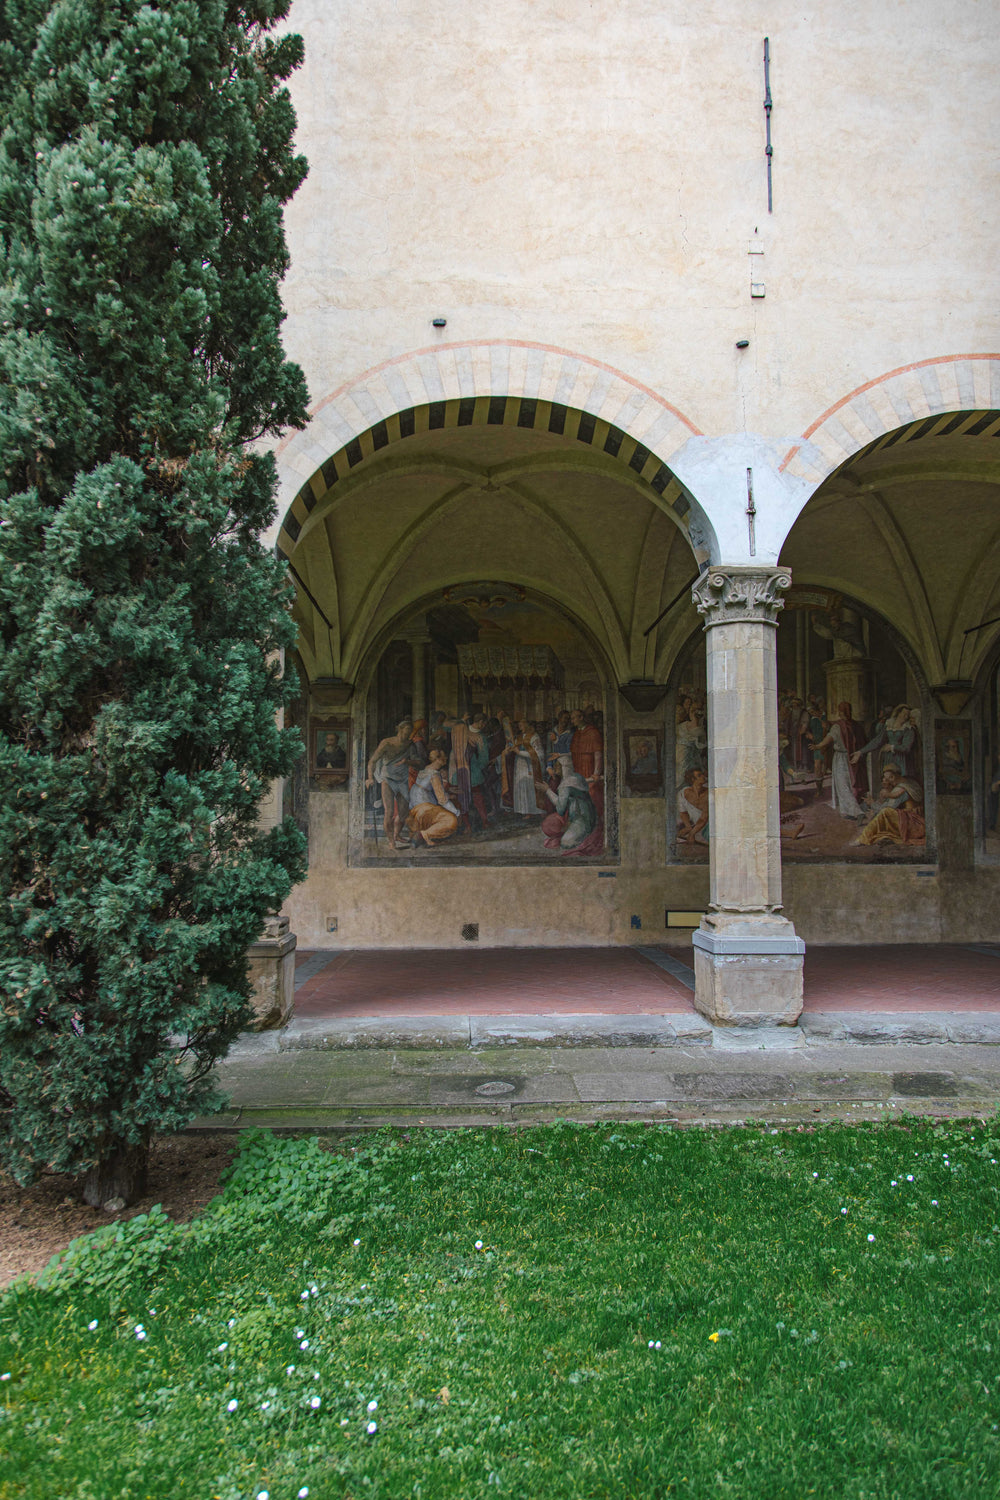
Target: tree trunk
(121,1174)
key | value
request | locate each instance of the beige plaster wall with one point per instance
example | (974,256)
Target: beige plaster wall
(589,178)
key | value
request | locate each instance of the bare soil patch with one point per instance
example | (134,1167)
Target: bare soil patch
(38,1221)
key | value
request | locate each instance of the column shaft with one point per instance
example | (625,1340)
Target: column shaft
(748,961)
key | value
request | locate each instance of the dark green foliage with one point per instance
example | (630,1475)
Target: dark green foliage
(145,154)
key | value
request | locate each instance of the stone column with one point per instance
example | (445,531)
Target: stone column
(419,640)
(271,962)
(748,960)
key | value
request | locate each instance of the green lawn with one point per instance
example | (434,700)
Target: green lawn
(562,1311)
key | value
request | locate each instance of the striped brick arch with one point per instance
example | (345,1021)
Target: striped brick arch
(956,394)
(489,384)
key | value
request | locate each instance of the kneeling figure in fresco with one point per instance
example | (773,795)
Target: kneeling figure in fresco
(575,818)
(433,815)
(899,812)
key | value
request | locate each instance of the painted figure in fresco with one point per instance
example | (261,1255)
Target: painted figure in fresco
(644,759)
(895,736)
(479,764)
(458,766)
(433,815)
(954,766)
(692,742)
(559,739)
(332,752)
(899,818)
(496,742)
(506,759)
(587,752)
(692,808)
(389,769)
(850,779)
(818,727)
(878,739)
(420,742)
(574,819)
(529,785)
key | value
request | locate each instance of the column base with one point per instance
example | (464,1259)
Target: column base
(748,970)
(271,962)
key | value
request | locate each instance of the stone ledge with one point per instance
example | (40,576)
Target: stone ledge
(903,1026)
(814,1029)
(376,1032)
(589,1031)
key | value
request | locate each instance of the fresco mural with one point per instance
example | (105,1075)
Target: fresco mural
(690,758)
(850,740)
(487,739)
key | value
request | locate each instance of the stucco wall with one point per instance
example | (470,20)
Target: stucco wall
(589,178)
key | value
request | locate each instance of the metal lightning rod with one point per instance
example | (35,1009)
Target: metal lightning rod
(768,149)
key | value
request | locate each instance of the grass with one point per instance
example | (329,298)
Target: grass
(559,1312)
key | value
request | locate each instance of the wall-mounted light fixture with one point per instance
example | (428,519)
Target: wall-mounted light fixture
(439,322)
(743,343)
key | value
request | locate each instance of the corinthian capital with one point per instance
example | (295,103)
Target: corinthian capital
(724,595)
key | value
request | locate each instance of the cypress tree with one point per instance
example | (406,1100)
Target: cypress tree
(145,154)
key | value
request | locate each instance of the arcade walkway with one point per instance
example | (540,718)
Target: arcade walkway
(517,1037)
(649,981)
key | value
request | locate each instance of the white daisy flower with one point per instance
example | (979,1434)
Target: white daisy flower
(92,1324)
(373,1406)
(315,1401)
(871,1239)
(232,1405)
(371,1428)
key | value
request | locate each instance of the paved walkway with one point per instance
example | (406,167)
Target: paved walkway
(627,981)
(523,1036)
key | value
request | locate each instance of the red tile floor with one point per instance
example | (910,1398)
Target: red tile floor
(622,981)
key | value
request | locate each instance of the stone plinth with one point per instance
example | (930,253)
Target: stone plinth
(748,970)
(272,973)
(748,961)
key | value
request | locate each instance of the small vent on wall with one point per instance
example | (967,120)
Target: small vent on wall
(470,932)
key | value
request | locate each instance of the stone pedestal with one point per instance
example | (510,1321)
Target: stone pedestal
(851,679)
(271,962)
(748,960)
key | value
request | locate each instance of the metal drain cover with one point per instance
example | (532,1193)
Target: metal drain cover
(495,1087)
